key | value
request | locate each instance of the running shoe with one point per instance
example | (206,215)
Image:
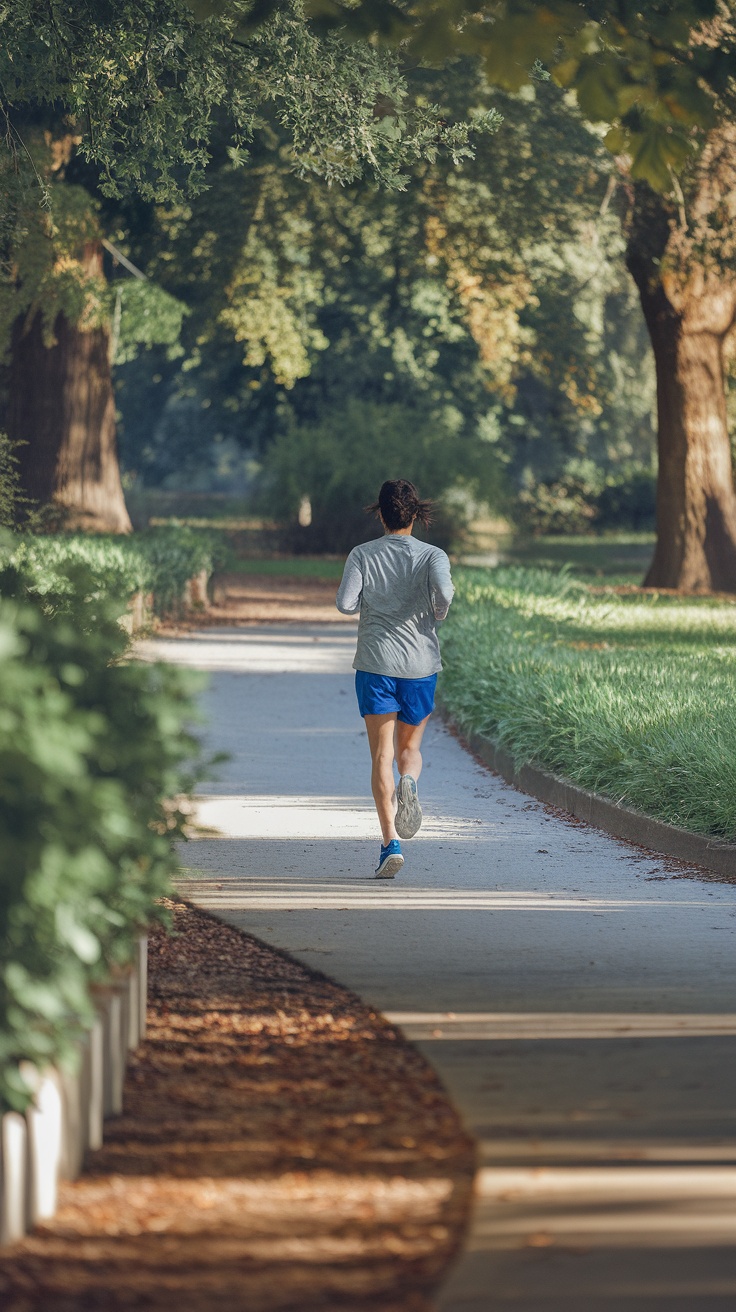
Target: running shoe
(408,811)
(390,861)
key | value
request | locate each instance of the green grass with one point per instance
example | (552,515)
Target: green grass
(614,557)
(625,556)
(301,567)
(631,696)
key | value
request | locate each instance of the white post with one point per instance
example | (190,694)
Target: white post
(96,1103)
(75,1088)
(112,1075)
(142,967)
(13,1177)
(44,1123)
(134,1008)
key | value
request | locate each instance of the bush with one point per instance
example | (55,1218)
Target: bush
(91,745)
(629,500)
(157,561)
(338,464)
(583,498)
(567,504)
(16,509)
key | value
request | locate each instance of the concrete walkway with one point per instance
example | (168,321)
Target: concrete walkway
(576,996)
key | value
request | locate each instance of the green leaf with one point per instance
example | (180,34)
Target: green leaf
(650,160)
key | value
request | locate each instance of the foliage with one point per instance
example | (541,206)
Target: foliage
(628,695)
(173,555)
(654,73)
(15,506)
(657,75)
(159,561)
(564,505)
(497,289)
(339,462)
(47,262)
(147,316)
(138,89)
(91,745)
(143,85)
(51,262)
(584,496)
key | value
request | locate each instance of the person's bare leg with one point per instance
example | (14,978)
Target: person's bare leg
(408,747)
(381,741)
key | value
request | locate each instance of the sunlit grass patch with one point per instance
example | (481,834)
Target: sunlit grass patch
(298,567)
(633,696)
(623,554)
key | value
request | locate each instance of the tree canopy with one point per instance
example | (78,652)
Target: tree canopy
(657,74)
(142,84)
(481,318)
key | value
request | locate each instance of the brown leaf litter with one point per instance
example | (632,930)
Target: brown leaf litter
(281,1147)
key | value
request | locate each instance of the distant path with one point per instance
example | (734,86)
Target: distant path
(592,995)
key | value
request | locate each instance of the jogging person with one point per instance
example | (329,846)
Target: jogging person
(401,587)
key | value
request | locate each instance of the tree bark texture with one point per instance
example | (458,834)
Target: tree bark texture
(62,408)
(696,504)
(682,266)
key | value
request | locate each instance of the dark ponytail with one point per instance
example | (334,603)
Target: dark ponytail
(399,505)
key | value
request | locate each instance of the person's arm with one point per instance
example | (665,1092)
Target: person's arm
(440,584)
(351,587)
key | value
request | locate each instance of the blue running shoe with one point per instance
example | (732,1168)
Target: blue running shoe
(391,860)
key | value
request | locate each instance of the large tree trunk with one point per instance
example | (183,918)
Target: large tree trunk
(696,503)
(62,408)
(689,312)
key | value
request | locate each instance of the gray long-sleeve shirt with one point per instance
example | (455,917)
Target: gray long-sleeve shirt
(401,587)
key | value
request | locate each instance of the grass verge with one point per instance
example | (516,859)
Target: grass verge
(620,556)
(629,695)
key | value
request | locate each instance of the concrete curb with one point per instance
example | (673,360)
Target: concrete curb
(619,821)
(69,1106)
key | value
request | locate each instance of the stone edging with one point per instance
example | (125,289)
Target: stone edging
(66,1116)
(619,821)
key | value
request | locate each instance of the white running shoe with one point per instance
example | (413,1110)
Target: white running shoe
(408,811)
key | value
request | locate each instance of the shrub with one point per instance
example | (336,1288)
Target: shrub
(337,465)
(629,500)
(582,498)
(91,745)
(173,555)
(16,509)
(567,504)
(159,561)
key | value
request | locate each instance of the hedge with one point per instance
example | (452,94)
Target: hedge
(158,561)
(91,745)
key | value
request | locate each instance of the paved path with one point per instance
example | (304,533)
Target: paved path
(578,1000)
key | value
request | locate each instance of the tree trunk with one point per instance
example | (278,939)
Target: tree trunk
(688,317)
(62,407)
(696,504)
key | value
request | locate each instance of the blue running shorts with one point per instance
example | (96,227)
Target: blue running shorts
(412,700)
